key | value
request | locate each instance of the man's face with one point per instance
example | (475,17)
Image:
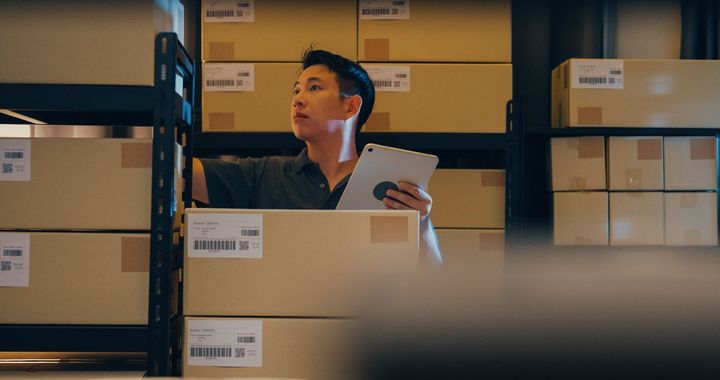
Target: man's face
(317,110)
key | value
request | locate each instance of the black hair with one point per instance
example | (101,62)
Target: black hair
(352,79)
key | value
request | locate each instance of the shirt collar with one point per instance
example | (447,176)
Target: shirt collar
(300,161)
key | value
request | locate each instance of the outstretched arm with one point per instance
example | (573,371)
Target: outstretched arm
(412,197)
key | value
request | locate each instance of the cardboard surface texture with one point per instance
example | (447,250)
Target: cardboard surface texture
(690,163)
(637,218)
(468,198)
(635,163)
(580,218)
(578,163)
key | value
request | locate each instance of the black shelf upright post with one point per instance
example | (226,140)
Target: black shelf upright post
(172,123)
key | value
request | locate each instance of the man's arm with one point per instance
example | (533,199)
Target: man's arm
(412,197)
(199,183)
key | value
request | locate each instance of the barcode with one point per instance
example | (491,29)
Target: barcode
(395,11)
(396,83)
(5,266)
(375,11)
(616,72)
(240,13)
(382,83)
(214,245)
(243,245)
(223,13)
(593,80)
(243,5)
(401,75)
(249,232)
(14,155)
(220,82)
(243,74)
(239,82)
(611,80)
(12,252)
(7,168)
(211,352)
(246,339)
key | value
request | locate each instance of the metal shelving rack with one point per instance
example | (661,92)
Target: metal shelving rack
(167,106)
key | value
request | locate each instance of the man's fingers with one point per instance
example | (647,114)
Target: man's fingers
(396,205)
(405,198)
(413,190)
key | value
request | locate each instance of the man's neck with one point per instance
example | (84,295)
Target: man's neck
(336,159)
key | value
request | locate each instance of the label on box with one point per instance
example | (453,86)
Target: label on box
(384,9)
(225,236)
(229,77)
(14,260)
(226,343)
(597,73)
(389,78)
(229,11)
(15,159)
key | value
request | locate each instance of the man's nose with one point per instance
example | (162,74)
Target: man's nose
(298,100)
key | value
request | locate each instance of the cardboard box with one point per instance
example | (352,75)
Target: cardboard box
(293,262)
(79,278)
(475,100)
(578,163)
(635,163)
(281,31)
(83,42)
(690,163)
(636,93)
(75,183)
(286,348)
(580,218)
(264,109)
(482,251)
(468,198)
(691,219)
(637,218)
(436,31)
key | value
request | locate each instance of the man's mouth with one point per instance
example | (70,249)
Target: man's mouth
(299,115)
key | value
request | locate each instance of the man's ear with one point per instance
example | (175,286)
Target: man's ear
(352,106)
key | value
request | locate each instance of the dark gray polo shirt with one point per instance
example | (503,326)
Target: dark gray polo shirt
(270,183)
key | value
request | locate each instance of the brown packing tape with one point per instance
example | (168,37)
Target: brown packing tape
(491,242)
(136,155)
(221,51)
(578,183)
(589,115)
(388,229)
(494,178)
(702,148)
(377,49)
(378,121)
(688,200)
(591,147)
(692,236)
(221,121)
(633,178)
(649,149)
(135,252)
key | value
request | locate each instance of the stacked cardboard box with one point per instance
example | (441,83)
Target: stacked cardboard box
(661,191)
(84,42)
(278,287)
(71,251)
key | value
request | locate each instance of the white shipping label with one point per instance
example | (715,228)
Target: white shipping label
(229,10)
(229,77)
(226,343)
(597,73)
(15,159)
(389,78)
(384,9)
(225,236)
(14,260)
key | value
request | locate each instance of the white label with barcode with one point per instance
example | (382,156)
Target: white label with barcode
(389,78)
(384,9)
(229,10)
(226,343)
(15,159)
(225,236)
(14,259)
(229,77)
(597,73)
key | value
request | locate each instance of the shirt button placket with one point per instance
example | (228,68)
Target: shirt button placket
(322,185)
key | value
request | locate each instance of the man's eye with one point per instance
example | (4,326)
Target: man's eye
(314,87)
(295,91)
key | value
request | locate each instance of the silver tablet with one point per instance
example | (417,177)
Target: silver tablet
(380,168)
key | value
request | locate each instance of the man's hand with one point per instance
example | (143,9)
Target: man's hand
(410,197)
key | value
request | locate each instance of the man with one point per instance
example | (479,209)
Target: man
(332,99)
